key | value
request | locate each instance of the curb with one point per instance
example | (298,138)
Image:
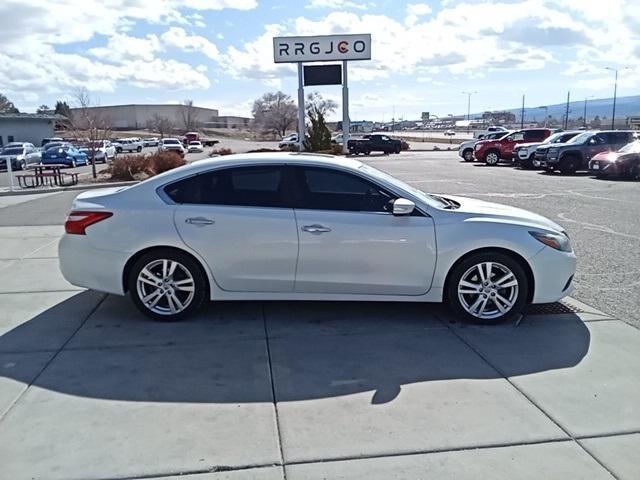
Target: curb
(89,186)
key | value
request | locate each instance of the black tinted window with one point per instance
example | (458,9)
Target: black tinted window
(534,136)
(244,186)
(327,189)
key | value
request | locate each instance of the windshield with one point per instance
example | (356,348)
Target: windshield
(583,137)
(430,199)
(11,151)
(633,147)
(170,142)
(52,145)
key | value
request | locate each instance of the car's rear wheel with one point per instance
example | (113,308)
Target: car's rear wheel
(23,165)
(487,288)
(468,155)
(492,157)
(634,172)
(139,149)
(397,150)
(73,163)
(167,285)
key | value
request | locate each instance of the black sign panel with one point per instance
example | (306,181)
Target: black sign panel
(322,75)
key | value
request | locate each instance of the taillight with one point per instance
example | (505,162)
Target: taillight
(78,221)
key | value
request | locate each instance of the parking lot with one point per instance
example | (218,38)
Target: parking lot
(90,389)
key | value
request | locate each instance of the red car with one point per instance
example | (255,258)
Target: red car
(625,162)
(492,151)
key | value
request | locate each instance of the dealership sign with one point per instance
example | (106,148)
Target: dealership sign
(322,48)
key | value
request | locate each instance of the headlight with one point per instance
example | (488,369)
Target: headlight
(557,241)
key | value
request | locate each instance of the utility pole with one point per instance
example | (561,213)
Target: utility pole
(468,94)
(584,115)
(546,114)
(522,114)
(566,113)
(393,119)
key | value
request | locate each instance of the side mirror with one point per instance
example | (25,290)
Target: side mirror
(402,206)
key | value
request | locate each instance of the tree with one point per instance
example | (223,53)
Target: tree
(89,124)
(43,109)
(596,122)
(160,124)
(7,106)
(318,136)
(274,113)
(62,108)
(189,116)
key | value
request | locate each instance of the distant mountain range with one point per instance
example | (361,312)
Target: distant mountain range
(602,107)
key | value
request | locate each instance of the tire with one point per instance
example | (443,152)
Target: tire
(367,152)
(569,164)
(549,169)
(187,272)
(527,164)
(23,165)
(467,155)
(464,300)
(397,150)
(492,158)
(139,149)
(73,163)
(634,172)
(119,150)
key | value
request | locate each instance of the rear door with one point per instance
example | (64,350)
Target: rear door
(600,142)
(351,243)
(238,219)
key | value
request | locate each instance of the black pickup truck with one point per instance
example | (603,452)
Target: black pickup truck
(374,143)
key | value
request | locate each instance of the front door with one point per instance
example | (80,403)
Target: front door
(351,243)
(238,221)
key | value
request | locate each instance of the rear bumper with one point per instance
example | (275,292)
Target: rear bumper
(85,266)
(553,273)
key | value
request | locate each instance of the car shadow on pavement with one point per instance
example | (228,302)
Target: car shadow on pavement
(232,352)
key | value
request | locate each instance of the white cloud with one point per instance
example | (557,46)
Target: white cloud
(177,37)
(122,47)
(415,11)
(338,4)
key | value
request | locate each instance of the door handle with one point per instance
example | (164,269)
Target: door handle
(315,228)
(199,221)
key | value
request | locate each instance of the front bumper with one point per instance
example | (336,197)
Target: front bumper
(601,168)
(553,273)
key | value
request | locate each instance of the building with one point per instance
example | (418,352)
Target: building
(26,127)
(229,121)
(633,122)
(137,116)
(498,118)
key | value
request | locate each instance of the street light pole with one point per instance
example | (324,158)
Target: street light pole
(546,114)
(468,94)
(615,94)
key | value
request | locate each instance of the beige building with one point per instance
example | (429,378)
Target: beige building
(137,116)
(229,121)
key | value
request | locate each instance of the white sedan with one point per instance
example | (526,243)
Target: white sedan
(195,147)
(309,227)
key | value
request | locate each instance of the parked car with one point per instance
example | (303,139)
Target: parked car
(20,144)
(624,162)
(449,133)
(195,147)
(150,142)
(493,151)
(575,154)
(102,150)
(356,234)
(45,141)
(19,156)
(171,145)
(65,154)
(492,129)
(374,142)
(54,145)
(289,141)
(524,154)
(465,150)
(127,145)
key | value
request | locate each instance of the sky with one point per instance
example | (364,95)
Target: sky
(220,53)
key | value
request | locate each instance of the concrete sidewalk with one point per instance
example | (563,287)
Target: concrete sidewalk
(90,389)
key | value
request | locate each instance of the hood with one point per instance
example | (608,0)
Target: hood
(527,145)
(561,145)
(608,156)
(468,143)
(503,214)
(487,142)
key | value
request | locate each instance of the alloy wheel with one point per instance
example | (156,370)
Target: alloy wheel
(492,158)
(488,290)
(165,287)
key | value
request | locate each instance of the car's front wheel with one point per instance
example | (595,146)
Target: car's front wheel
(487,288)
(492,157)
(468,155)
(167,285)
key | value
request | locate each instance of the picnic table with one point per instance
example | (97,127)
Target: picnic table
(47,174)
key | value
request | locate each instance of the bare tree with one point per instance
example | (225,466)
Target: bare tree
(43,109)
(160,124)
(274,113)
(317,103)
(189,116)
(89,124)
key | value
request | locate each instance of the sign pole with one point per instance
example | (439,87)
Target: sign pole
(345,109)
(300,109)
(10,174)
